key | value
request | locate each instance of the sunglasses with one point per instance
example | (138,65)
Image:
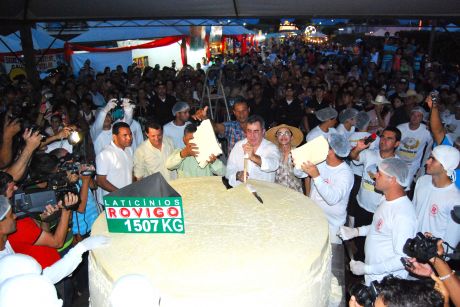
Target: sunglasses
(285,133)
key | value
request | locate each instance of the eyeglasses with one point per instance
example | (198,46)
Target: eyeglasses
(285,133)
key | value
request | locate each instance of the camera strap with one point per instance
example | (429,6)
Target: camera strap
(453,254)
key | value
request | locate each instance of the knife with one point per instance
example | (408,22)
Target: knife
(254,192)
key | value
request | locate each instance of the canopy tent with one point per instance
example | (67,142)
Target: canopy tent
(123,32)
(41,41)
(26,10)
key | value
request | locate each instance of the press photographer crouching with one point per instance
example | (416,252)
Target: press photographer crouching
(81,176)
(428,259)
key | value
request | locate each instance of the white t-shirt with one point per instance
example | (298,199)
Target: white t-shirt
(314,133)
(353,140)
(331,191)
(102,140)
(394,222)
(117,165)
(269,155)
(176,133)
(453,127)
(412,146)
(367,198)
(138,135)
(433,207)
(64,143)
(343,131)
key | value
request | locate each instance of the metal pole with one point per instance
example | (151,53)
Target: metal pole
(432,37)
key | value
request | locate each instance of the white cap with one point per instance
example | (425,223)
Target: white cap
(339,144)
(18,264)
(395,167)
(180,106)
(28,290)
(449,157)
(134,290)
(326,114)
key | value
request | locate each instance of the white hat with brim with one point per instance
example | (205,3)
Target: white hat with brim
(297,135)
(380,99)
(412,93)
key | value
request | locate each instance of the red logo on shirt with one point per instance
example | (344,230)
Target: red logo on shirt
(379,225)
(434,210)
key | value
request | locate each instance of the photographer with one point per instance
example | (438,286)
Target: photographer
(113,112)
(31,238)
(80,175)
(440,266)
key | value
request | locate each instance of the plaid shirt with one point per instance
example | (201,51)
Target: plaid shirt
(233,133)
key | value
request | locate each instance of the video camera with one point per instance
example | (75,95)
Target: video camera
(32,201)
(364,295)
(424,248)
(72,163)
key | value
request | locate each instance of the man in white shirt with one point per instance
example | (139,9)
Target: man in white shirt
(394,222)
(328,118)
(414,138)
(347,119)
(331,183)
(263,156)
(368,198)
(114,164)
(150,157)
(175,128)
(436,195)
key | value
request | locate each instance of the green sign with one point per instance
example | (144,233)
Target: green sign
(144,215)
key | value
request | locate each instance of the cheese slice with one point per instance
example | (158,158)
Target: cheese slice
(205,139)
(314,151)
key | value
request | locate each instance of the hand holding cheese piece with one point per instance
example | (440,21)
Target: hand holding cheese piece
(205,139)
(314,152)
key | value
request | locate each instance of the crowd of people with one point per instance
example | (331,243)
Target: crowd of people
(390,114)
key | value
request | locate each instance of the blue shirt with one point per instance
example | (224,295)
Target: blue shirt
(82,222)
(233,133)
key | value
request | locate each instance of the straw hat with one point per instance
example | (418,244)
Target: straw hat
(297,135)
(412,93)
(380,99)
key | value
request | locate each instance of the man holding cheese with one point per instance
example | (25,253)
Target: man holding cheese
(331,183)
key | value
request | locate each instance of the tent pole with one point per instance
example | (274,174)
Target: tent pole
(432,37)
(28,51)
(49,47)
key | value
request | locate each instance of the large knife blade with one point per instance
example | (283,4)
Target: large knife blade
(254,192)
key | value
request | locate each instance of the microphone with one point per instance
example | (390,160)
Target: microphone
(370,139)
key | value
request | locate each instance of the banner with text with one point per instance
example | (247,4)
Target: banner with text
(144,214)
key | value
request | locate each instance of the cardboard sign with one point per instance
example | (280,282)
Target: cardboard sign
(150,205)
(144,215)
